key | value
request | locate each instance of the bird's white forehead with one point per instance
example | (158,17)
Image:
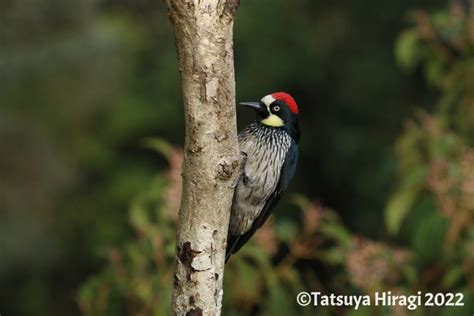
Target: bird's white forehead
(268,99)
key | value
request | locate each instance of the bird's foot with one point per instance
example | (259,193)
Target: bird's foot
(243,161)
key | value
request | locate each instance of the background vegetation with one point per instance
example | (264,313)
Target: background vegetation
(91,126)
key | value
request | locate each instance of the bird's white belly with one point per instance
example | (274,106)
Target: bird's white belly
(260,178)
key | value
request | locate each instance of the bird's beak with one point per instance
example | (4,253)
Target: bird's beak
(257,106)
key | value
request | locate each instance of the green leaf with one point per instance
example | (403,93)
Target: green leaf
(434,71)
(139,216)
(334,256)
(407,51)
(159,145)
(429,236)
(400,203)
(300,200)
(453,276)
(398,207)
(336,231)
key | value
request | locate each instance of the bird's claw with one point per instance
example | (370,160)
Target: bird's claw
(243,161)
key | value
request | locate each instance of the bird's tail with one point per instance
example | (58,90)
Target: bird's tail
(232,242)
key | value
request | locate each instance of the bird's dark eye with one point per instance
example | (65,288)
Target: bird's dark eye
(276,108)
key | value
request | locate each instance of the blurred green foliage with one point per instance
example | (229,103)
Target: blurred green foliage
(138,277)
(88,207)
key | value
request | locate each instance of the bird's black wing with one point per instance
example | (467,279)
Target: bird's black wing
(235,242)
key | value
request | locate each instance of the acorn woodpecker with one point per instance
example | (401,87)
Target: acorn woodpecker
(269,148)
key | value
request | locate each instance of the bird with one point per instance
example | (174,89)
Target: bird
(269,148)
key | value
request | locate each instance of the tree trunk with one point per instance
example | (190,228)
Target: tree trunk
(203,30)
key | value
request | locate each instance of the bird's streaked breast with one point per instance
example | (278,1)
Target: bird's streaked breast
(266,149)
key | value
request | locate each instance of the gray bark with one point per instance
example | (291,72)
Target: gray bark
(203,31)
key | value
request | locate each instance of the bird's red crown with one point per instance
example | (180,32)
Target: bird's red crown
(288,99)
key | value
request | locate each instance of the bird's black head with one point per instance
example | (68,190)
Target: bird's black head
(278,110)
